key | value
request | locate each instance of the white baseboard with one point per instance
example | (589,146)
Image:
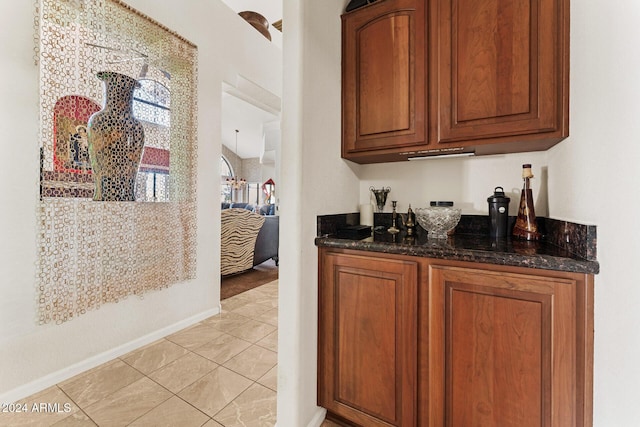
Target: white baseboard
(318,418)
(97,360)
(316,421)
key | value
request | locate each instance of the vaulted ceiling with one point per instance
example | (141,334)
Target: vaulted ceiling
(270,9)
(242,115)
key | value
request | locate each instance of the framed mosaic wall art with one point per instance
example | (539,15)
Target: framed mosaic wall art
(93,252)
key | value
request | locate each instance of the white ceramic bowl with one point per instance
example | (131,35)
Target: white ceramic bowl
(438,220)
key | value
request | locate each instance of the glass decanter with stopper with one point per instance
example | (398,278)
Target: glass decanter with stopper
(526,226)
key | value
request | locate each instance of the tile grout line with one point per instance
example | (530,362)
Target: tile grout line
(80,408)
(266,303)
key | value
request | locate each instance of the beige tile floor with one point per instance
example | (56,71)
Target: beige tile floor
(219,372)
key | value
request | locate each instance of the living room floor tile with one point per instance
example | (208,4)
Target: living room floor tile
(226,321)
(173,412)
(256,406)
(155,356)
(79,419)
(271,302)
(96,384)
(195,336)
(182,372)
(262,297)
(222,348)
(266,291)
(253,363)
(270,342)
(270,379)
(251,310)
(253,331)
(270,317)
(215,390)
(127,404)
(234,302)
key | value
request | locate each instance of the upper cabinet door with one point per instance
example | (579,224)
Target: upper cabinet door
(501,73)
(383,80)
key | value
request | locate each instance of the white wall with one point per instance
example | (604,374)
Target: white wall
(465,181)
(593,178)
(33,357)
(315,181)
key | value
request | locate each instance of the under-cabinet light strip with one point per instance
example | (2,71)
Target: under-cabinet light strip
(440,156)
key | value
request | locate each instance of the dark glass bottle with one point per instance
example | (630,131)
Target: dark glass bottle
(526,226)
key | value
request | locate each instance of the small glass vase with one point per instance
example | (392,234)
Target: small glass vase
(381,197)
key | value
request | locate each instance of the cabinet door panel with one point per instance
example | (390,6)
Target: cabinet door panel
(502,348)
(501,70)
(368,339)
(383,77)
(492,64)
(365,346)
(383,85)
(498,352)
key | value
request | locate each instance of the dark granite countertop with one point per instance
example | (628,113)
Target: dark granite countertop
(470,247)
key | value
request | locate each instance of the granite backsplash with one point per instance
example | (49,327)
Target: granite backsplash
(577,239)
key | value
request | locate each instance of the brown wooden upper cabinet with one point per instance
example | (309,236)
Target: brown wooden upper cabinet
(436,77)
(383,80)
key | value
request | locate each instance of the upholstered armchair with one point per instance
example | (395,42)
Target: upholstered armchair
(247,239)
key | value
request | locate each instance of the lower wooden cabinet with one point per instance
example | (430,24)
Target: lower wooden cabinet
(368,339)
(506,348)
(408,341)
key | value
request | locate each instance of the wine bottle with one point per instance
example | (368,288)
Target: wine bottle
(526,226)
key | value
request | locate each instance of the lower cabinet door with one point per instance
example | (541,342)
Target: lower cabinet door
(367,339)
(502,349)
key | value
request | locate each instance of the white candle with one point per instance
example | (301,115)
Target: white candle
(366,214)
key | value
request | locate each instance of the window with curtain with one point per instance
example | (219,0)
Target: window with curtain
(225,172)
(152,106)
